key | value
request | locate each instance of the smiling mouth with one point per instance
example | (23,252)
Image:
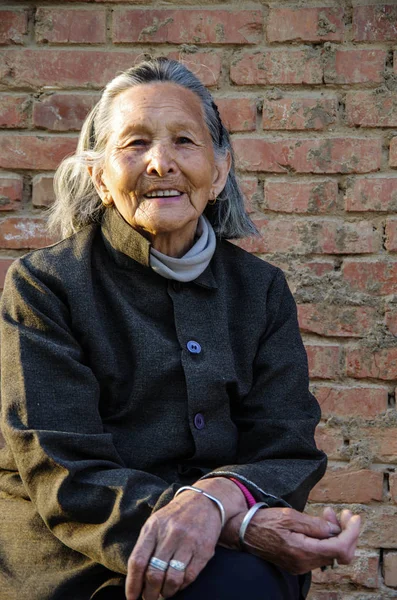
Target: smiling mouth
(163,194)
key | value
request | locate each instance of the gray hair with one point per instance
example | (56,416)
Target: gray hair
(77,202)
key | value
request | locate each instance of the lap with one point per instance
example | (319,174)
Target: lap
(232,575)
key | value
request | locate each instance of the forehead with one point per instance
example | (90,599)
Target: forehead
(161,102)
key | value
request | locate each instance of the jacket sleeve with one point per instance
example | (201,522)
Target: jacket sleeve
(68,464)
(278,460)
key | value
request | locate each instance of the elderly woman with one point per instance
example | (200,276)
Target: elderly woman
(155,403)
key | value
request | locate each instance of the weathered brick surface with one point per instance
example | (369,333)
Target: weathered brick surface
(315,196)
(276,67)
(375,23)
(345,401)
(332,320)
(14,110)
(179,26)
(62,112)
(60,26)
(43,190)
(354,65)
(342,485)
(306,24)
(332,155)
(13,26)
(372,109)
(299,113)
(34,151)
(372,194)
(308,92)
(11,189)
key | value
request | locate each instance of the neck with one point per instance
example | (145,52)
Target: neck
(174,243)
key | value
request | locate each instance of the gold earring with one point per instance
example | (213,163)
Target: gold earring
(213,200)
(107,201)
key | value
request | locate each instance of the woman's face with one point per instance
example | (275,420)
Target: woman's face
(160,169)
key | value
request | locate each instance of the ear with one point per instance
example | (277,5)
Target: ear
(96,174)
(222,168)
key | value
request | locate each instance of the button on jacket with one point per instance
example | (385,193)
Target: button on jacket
(118,387)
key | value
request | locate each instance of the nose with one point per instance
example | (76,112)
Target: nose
(161,160)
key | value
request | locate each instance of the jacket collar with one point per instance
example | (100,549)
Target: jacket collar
(125,243)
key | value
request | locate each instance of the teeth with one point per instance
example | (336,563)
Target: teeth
(161,193)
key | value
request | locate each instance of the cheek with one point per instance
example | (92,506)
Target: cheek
(123,174)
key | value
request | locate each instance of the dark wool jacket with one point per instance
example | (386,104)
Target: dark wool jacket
(107,409)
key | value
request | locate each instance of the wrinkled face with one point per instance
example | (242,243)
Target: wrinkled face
(160,169)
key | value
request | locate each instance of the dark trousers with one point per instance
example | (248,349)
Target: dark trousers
(232,575)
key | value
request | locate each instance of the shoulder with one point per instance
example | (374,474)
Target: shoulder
(246,267)
(62,256)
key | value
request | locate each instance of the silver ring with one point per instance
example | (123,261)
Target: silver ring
(159,564)
(178,565)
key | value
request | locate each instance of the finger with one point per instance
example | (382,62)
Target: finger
(341,547)
(330,515)
(174,577)
(315,527)
(138,562)
(195,567)
(154,579)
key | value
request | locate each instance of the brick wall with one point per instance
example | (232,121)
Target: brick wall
(309,91)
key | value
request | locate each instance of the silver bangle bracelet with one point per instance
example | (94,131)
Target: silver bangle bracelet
(247,520)
(217,502)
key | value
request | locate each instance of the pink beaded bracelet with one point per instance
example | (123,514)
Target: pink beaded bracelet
(247,494)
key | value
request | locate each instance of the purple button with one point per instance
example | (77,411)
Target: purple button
(199,422)
(193,347)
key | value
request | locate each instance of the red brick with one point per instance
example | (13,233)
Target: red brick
(322,237)
(376,364)
(377,277)
(354,66)
(371,109)
(187,26)
(375,23)
(323,595)
(237,114)
(364,570)
(277,67)
(24,233)
(320,267)
(366,402)
(391,319)
(205,65)
(14,110)
(379,528)
(11,187)
(251,192)
(64,68)
(332,155)
(5,264)
(43,190)
(13,26)
(34,151)
(393,149)
(62,112)
(301,196)
(307,24)
(348,486)
(391,234)
(379,442)
(335,320)
(323,360)
(79,26)
(372,194)
(329,440)
(299,113)
(390,568)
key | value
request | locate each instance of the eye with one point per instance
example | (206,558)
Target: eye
(138,142)
(184,140)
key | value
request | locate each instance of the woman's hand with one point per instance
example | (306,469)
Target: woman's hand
(297,542)
(187,530)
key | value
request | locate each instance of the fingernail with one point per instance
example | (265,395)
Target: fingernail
(333,528)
